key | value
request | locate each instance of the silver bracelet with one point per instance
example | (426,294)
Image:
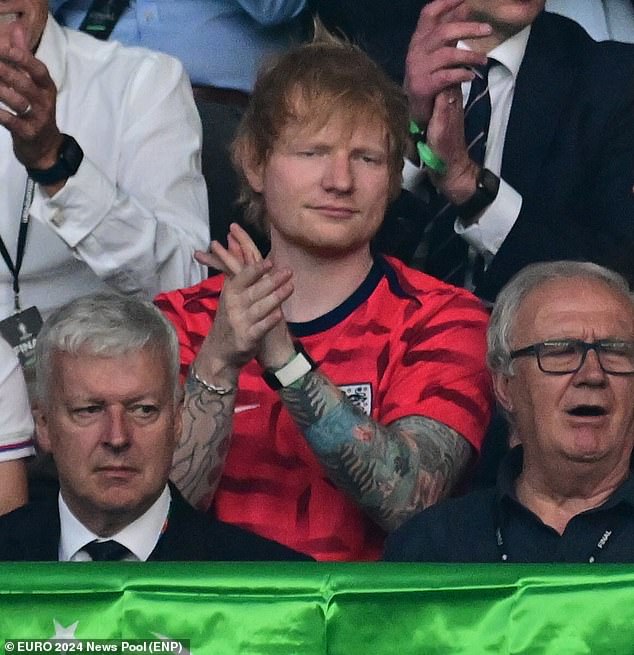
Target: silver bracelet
(211,388)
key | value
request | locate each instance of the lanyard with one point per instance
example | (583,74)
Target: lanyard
(24,227)
(503,550)
(102,17)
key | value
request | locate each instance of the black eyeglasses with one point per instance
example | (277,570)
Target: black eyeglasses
(568,355)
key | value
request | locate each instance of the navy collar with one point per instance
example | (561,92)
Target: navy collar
(380,268)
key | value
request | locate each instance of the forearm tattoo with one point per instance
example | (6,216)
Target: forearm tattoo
(200,455)
(391,471)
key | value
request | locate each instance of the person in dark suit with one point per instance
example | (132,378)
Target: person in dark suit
(109,411)
(560,147)
(32,534)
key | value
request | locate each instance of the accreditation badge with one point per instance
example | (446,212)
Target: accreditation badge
(20,330)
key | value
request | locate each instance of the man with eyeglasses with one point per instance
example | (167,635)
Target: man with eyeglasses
(561,352)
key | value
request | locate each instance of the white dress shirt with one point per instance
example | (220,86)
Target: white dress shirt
(139,537)
(16,421)
(489,231)
(136,209)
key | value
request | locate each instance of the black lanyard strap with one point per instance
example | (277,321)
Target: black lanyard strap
(596,553)
(24,228)
(102,17)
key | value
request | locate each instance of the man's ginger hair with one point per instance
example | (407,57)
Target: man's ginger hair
(311,83)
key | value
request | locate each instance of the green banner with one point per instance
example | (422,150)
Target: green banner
(324,609)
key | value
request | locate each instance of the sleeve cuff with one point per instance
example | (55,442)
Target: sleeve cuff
(487,234)
(78,207)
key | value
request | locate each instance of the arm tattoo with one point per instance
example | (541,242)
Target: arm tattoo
(392,471)
(200,455)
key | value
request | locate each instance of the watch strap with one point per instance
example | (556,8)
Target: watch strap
(69,157)
(487,186)
(293,370)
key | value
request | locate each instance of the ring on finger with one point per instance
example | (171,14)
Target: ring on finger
(26,111)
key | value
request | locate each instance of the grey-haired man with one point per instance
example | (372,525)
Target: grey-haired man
(561,351)
(109,411)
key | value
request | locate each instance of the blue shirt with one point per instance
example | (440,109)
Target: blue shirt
(220,42)
(611,19)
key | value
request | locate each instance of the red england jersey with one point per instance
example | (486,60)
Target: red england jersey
(402,344)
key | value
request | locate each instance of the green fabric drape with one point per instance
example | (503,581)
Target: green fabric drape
(327,609)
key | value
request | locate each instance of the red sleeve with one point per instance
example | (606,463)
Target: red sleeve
(441,372)
(191,311)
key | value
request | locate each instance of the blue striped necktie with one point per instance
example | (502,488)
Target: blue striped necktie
(477,114)
(448,256)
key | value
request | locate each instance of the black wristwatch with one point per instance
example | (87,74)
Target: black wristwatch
(292,371)
(69,157)
(487,187)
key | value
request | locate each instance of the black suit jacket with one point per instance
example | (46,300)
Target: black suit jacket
(569,152)
(31,533)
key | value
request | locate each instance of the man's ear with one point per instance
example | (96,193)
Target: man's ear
(252,168)
(178,420)
(42,436)
(501,384)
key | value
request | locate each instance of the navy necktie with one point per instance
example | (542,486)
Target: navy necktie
(106,551)
(448,256)
(477,114)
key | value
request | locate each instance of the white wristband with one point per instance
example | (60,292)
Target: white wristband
(292,371)
(295,369)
